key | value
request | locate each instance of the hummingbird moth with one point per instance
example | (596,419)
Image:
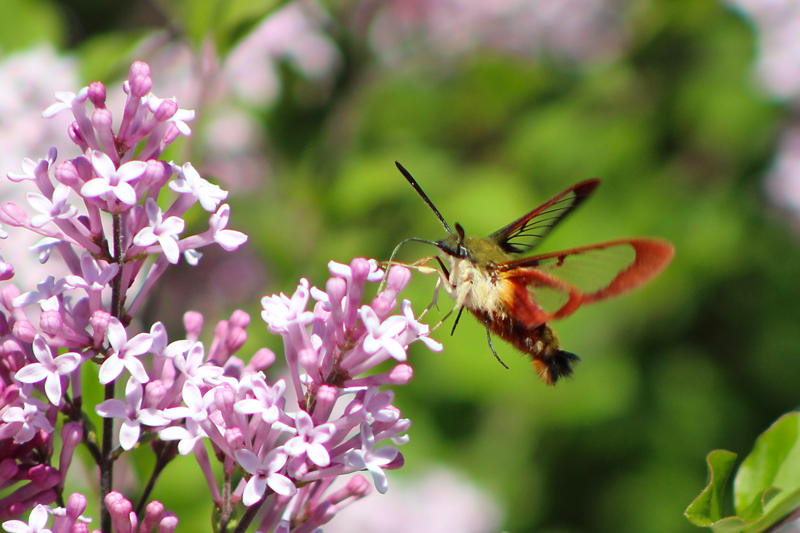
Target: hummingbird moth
(517,298)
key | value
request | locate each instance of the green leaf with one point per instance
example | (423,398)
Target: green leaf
(766,487)
(707,508)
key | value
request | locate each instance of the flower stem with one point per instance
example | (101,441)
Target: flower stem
(106,465)
(227,508)
(163,456)
(250,514)
(106,462)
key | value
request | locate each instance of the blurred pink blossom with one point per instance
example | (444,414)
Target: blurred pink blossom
(28,80)
(777,27)
(777,24)
(439,500)
(572,30)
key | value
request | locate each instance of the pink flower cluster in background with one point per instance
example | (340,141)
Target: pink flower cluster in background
(101,213)
(571,30)
(777,25)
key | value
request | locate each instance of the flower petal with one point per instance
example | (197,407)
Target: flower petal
(52,388)
(281,484)
(254,490)
(31,373)
(129,434)
(111,369)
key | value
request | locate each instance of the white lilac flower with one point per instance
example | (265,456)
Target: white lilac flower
(383,335)
(197,405)
(179,118)
(48,368)
(67,100)
(264,474)
(46,291)
(266,402)
(113,180)
(51,210)
(368,458)
(43,248)
(193,367)
(30,418)
(189,182)
(125,353)
(94,277)
(31,170)
(36,522)
(228,239)
(188,435)
(131,413)
(163,232)
(310,440)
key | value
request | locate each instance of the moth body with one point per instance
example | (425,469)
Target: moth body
(476,284)
(516,298)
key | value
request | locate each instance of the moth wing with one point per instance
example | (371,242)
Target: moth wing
(553,286)
(534,226)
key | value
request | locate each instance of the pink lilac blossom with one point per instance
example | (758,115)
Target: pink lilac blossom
(236,89)
(28,80)
(777,26)
(777,23)
(571,30)
(433,501)
(179,393)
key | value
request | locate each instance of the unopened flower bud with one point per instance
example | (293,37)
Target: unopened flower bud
(166,110)
(239,318)
(8,469)
(154,392)
(139,79)
(51,322)
(156,174)
(235,339)
(193,322)
(152,515)
(234,438)
(6,270)
(75,135)
(262,359)
(326,399)
(24,331)
(13,215)
(169,523)
(66,173)
(97,94)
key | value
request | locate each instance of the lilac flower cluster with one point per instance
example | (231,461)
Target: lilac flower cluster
(116,242)
(777,24)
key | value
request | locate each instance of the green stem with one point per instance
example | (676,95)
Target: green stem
(250,514)
(106,463)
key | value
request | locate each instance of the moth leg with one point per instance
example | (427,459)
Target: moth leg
(461,297)
(458,317)
(445,317)
(444,268)
(434,300)
(487,322)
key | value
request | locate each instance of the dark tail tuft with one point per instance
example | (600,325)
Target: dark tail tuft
(555,366)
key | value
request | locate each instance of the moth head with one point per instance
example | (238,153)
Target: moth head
(453,244)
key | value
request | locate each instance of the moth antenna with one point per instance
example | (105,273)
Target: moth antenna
(424,196)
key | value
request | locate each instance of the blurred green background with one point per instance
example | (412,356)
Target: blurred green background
(670,118)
